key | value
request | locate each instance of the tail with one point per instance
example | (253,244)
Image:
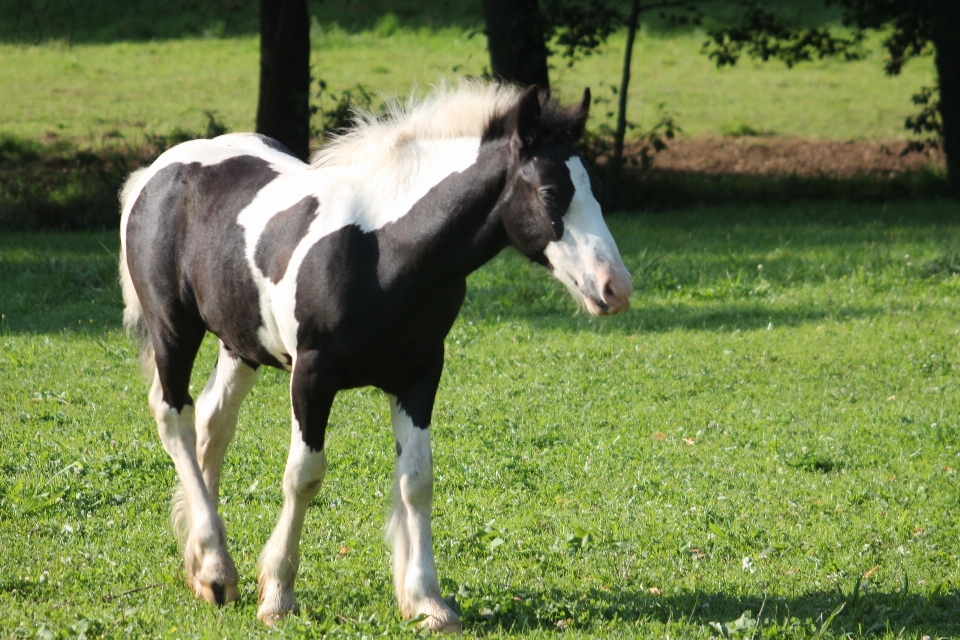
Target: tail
(132,311)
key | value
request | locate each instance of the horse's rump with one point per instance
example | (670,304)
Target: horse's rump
(185,253)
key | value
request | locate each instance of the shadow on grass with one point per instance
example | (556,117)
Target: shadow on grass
(101,21)
(67,188)
(60,186)
(52,281)
(861,612)
(667,190)
(108,21)
(663,317)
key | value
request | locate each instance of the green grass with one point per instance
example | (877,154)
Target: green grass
(99,94)
(745,439)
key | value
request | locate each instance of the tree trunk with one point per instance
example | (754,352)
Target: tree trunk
(283,110)
(515,39)
(946,27)
(616,162)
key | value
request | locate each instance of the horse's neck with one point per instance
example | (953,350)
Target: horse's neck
(453,230)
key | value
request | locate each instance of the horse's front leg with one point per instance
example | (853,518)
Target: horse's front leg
(409,528)
(312,394)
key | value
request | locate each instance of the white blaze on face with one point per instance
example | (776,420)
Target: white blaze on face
(586,258)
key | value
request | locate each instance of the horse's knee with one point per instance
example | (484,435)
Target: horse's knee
(304,475)
(415,483)
(176,429)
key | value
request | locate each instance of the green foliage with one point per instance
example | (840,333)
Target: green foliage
(596,146)
(742,129)
(910,24)
(661,472)
(59,187)
(928,123)
(343,108)
(87,91)
(215,126)
(34,21)
(579,27)
(764,35)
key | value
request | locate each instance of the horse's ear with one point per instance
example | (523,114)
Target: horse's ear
(527,116)
(580,114)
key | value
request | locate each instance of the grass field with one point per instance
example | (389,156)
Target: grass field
(766,445)
(101,94)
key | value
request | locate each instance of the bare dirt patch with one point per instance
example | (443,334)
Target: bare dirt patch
(772,156)
(774,170)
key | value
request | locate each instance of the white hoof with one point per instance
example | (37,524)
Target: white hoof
(276,603)
(212,576)
(439,617)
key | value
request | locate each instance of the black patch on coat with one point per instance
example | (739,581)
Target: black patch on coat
(373,308)
(155,229)
(186,256)
(282,235)
(540,198)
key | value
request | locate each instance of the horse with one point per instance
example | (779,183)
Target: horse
(348,271)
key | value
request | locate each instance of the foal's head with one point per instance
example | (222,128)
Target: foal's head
(550,208)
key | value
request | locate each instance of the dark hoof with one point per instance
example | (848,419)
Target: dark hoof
(219,593)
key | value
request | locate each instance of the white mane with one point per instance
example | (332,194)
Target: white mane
(447,113)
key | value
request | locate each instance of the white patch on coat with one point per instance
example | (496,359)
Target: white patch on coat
(206,153)
(587,245)
(346,197)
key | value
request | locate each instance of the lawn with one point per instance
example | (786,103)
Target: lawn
(104,93)
(768,441)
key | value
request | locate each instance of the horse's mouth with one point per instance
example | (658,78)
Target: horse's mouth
(600,307)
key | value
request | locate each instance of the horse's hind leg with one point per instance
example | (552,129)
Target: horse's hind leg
(216,413)
(210,571)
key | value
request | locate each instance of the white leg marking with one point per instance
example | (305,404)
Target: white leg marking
(281,556)
(209,569)
(216,411)
(414,571)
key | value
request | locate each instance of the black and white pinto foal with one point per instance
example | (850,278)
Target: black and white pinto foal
(348,272)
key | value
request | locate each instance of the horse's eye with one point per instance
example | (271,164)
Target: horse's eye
(548,195)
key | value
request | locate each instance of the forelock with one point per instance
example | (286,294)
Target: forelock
(556,122)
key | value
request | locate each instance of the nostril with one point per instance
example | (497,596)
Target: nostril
(608,290)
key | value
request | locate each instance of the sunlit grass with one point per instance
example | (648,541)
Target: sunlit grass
(104,93)
(779,440)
